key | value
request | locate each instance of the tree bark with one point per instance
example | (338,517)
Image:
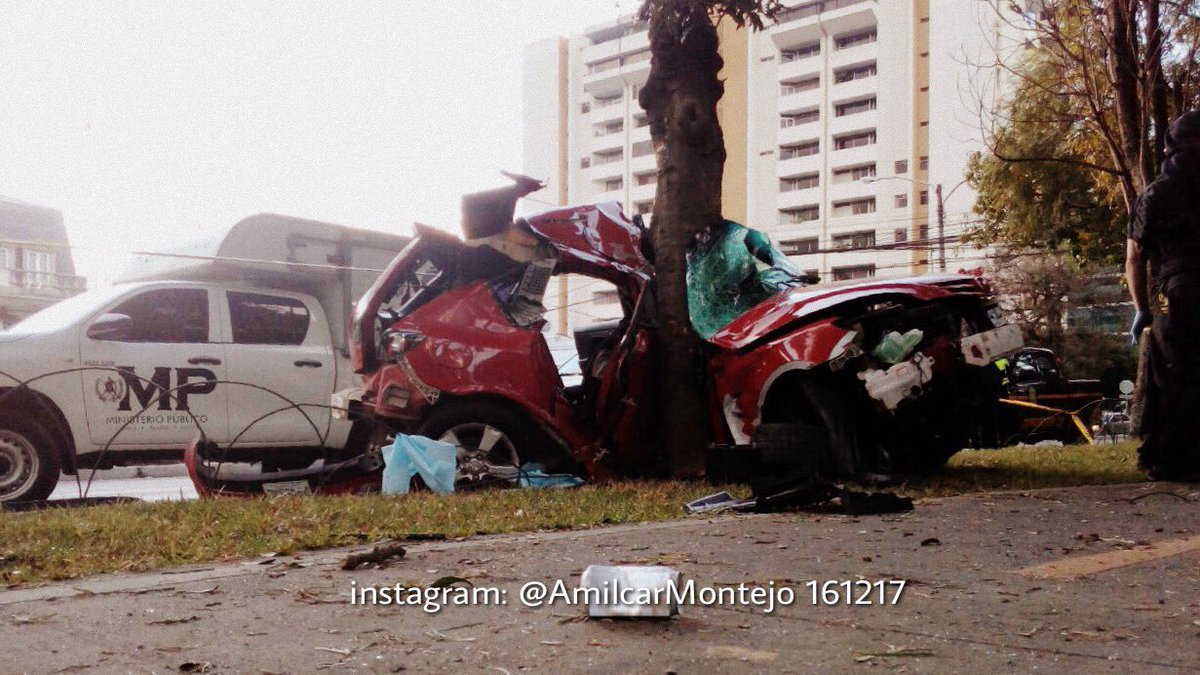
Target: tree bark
(1123,71)
(680,98)
(1156,85)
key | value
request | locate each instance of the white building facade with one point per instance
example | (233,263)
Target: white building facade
(841,120)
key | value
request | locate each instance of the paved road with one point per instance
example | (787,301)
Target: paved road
(1088,580)
(157,484)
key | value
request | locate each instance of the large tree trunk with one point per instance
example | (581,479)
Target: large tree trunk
(680,98)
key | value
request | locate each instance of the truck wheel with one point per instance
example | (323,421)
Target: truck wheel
(490,433)
(29,462)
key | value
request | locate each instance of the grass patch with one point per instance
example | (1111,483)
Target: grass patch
(68,543)
(1031,468)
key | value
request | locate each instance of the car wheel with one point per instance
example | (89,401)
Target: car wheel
(29,462)
(493,440)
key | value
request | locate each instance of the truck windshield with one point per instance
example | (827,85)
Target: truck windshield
(67,312)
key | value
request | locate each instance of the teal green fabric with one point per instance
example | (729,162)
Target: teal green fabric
(730,270)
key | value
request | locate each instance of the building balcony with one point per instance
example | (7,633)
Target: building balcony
(844,91)
(607,111)
(797,165)
(606,169)
(612,76)
(799,132)
(642,193)
(599,196)
(643,164)
(800,68)
(800,100)
(639,134)
(853,189)
(793,199)
(841,58)
(811,19)
(610,49)
(851,156)
(608,141)
(861,121)
(40,284)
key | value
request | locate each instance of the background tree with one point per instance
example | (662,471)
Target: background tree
(680,99)
(1034,290)
(1113,71)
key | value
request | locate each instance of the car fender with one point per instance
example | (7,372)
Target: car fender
(743,380)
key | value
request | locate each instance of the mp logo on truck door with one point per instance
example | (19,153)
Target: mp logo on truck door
(129,387)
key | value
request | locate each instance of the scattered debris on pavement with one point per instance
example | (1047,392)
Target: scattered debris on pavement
(379,555)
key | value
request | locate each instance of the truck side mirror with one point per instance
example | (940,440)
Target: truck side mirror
(111,327)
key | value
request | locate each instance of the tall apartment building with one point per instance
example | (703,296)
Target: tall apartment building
(841,120)
(36,268)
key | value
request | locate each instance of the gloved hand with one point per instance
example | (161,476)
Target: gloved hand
(1141,320)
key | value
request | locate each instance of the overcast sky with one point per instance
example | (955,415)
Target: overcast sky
(149,123)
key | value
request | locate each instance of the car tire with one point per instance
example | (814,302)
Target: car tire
(510,436)
(29,461)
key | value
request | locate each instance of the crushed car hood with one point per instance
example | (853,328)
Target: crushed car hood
(799,303)
(597,235)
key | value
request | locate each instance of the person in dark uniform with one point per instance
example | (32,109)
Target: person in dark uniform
(1163,269)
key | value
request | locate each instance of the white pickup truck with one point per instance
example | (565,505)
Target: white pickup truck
(222,338)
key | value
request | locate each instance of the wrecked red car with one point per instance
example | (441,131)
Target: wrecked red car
(871,377)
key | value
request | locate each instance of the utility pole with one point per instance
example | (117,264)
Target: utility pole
(941,217)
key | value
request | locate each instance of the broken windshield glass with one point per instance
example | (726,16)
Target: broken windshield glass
(730,270)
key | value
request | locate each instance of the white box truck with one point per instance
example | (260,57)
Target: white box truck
(242,337)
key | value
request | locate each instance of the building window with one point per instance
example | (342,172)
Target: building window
(39,269)
(609,128)
(604,66)
(901,166)
(854,240)
(602,158)
(607,101)
(797,86)
(585,162)
(854,107)
(855,39)
(925,123)
(901,201)
(799,150)
(644,208)
(855,73)
(924,197)
(901,235)
(924,164)
(585,108)
(643,148)
(854,173)
(854,140)
(608,297)
(611,184)
(804,182)
(799,246)
(813,274)
(640,121)
(853,272)
(854,207)
(648,178)
(803,214)
(923,233)
(792,119)
(801,52)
